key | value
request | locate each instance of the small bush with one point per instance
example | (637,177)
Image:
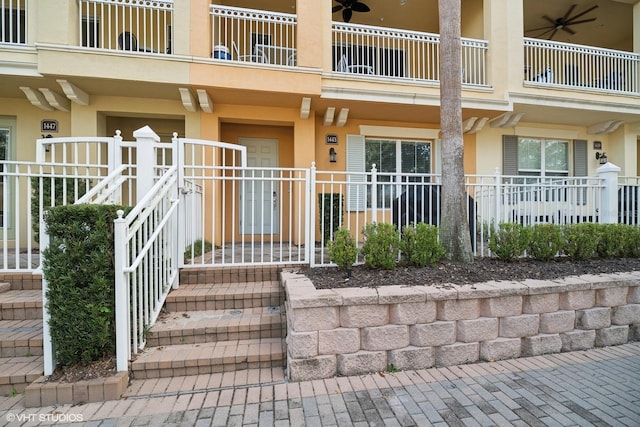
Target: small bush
(56,191)
(343,249)
(79,268)
(611,241)
(381,245)
(196,249)
(580,240)
(632,241)
(420,246)
(546,241)
(509,241)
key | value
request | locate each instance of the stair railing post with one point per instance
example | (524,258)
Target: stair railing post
(374,194)
(49,355)
(146,140)
(123,349)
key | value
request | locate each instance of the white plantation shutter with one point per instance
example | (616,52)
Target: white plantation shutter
(357,189)
(509,154)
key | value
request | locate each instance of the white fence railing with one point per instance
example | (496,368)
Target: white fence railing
(13,21)
(146,264)
(402,54)
(135,25)
(583,67)
(251,35)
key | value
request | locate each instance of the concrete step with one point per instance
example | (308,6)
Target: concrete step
(4,287)
(201,383)
(193,327)
(21,305)
(18,372)
(200,297)
(207,358)
(20,338)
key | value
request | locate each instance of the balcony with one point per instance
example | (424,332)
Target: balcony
(579,67)
(13,22)
(140,27)
(402,55)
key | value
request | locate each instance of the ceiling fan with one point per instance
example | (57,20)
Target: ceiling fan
(348,7)
(564,22)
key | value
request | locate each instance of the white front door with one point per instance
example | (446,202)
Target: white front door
(260,192)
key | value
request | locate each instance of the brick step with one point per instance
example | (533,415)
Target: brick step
(22,281)
(195,383)
(193,327)
(20,338)
(4,287)
(207,358)
(229,274)
(199,297)
(21,305)
(18,372)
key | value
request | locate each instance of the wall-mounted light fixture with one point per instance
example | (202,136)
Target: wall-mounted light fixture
(601,157)
(332,155)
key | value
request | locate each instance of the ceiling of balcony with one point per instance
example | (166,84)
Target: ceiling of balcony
(612,28)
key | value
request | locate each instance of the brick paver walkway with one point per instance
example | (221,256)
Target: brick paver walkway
(598,387)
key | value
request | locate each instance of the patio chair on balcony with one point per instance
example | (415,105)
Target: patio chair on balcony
(258,56)
(344,66)
(129,41)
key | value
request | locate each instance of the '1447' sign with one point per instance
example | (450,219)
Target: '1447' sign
(49,126)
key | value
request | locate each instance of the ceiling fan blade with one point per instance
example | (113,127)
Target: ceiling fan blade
(547,27)
(568,30)
(544,32)
(555,30)
(346,15)
(360,7)
(335,9)
(553,21)
(581,22)
(573,18)
(566,15)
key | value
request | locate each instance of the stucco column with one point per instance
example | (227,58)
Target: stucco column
(55,23)
(314,33)
(505,43)
(636,27)
(197,29)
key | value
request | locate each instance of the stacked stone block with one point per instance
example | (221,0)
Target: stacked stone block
(357,331)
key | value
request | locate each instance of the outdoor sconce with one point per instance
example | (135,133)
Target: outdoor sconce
(332,155)
(601,157)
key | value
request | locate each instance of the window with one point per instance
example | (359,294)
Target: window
(544,160)
(396,161)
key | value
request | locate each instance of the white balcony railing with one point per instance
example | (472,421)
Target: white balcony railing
(401,54)
(583,67)
(13,21)
(134,25)
(250,35)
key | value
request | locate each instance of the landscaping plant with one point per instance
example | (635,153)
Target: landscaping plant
(580,240)
(509,240)
(546,241)
(420,246)
(343,250)
(381,245)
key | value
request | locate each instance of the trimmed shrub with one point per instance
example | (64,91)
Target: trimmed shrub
(381,245)
(343,249)
(79,268)
(611,241)
(632,241)
(546,241)
(509,241)
(580,240)
(420,246)
(63,191)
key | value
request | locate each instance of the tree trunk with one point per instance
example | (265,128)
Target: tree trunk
(454,223)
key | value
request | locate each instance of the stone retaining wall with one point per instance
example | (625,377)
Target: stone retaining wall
(354,331)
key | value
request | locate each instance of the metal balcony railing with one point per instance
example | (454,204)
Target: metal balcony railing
(581,67)
(401,54)
(134,26)
(249,35)
(13,21)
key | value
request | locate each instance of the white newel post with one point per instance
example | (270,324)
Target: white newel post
(498,197)
(609,193)
(146,139)
(47,343)
(374,194)
(122,295)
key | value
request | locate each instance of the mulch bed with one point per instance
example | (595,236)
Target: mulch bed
(105,367)
(481,270)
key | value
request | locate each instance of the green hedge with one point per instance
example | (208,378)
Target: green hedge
(79,268)
(64,192)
